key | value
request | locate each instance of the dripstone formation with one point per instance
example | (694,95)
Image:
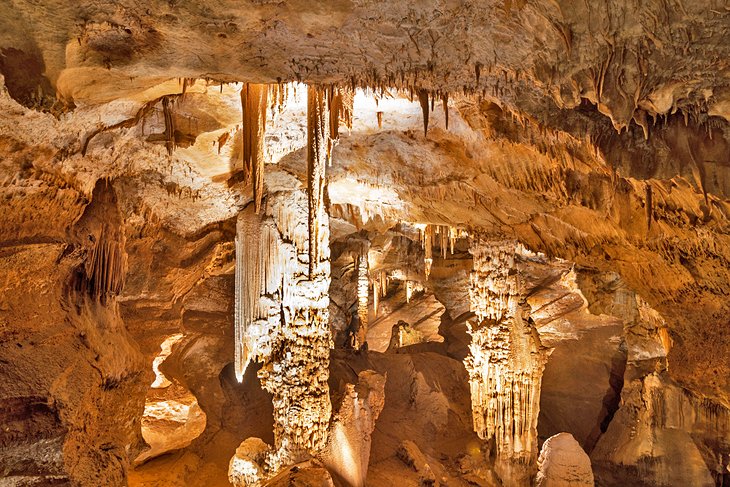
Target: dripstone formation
(364,243)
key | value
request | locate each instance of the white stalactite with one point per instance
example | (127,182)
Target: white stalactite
(428,248)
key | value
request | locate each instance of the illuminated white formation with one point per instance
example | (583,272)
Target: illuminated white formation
(506,358)
(442,236)
(428,249)
(282,285)
(380,288)
(363,288)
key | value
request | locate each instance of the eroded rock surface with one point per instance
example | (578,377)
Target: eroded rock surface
(138,140)
(562,463)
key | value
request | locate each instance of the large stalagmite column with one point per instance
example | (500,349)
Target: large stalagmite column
(506,359)
(282,285)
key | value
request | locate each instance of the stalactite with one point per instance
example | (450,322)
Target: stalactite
(277,95)
(444,234)
(334,102)
(380,288)
(347,107)
(187,82)
(445,99)
(248,284)
(428,250)
(506,358)
(169,125)
(340,108)
(317,154)
(423,100)
(104,268)
(239,362)
(254,101)
(376,297)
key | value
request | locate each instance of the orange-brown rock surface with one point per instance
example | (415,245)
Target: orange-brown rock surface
(136,138)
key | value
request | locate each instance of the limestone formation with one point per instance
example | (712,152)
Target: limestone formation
(254,104)
(318,156)
(245,467)
(563,463)
(224,225)
(347,454)
(283,313)
(506,358)
(363,290)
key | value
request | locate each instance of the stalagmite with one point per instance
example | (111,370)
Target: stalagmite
(506,359)
(317,156)
(254,101)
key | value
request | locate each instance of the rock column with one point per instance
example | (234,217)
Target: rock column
(506,360)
